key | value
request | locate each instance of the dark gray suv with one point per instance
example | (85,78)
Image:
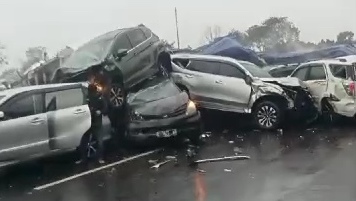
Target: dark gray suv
(117,61)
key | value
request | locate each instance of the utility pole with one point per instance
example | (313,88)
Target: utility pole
(175,9)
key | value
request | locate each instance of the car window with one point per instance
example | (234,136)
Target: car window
(64,99)
(255,70)
(342,71)
(122,42)
(24,106)
(136,37)
(230,71)
(301,73)
(317,72)
(204,66)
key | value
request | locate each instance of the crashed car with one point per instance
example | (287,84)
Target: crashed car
(226,84)
(332,85)
(117,61)
(161,110)
(42,120)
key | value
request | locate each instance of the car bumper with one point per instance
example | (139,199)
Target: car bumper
(151,130)
(344,107)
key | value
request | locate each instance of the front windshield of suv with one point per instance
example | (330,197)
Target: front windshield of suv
(255,70)
(91,53)
(342,71)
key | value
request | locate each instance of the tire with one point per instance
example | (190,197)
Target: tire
(327,112)
(116,96)
(88,146)
(164,64)
(267,115)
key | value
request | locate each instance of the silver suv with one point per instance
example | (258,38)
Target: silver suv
(40,120)
(226,84)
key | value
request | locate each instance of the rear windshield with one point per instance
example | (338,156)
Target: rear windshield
(342,71)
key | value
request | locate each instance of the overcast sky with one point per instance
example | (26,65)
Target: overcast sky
(55,24)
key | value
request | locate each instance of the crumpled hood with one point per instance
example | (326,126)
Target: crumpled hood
(163,106)
(158,98)
(286,81)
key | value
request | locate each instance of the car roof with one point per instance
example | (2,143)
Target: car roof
(12,92)
(328,61)
(210,57)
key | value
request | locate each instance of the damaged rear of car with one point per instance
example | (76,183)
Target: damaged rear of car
(226,84)
(161,110)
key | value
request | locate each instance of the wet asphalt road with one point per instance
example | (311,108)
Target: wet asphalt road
(296,164)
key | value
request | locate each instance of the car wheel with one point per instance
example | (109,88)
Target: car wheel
(328,114)
(116,96)
(267,115)
(89,145)
(163,71)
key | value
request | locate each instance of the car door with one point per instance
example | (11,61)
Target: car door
(143,64)
(199,77)
(230,86)
(127,62)
(316,80)
(24,130)
(68,117)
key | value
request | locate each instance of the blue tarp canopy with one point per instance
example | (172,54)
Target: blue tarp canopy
(300,57)
(230,47)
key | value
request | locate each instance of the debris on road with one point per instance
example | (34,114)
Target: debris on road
(226,158)
(152,161)
(201,171)
(171,157)
(227,170)
(237,150)
(231,142)
(280,131)
(158,165)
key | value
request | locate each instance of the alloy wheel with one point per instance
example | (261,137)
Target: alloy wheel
(163,71)
(116,96)
(267,116)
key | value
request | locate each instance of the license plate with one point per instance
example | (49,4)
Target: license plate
(166,133)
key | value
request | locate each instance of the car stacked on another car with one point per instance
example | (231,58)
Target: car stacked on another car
(118,61)
(42,120)
(226,84)
(332,85)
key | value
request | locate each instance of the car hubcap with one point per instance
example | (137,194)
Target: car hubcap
(116,96)
(267,116)
(91,146)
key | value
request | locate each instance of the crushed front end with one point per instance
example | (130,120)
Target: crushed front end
(304,108)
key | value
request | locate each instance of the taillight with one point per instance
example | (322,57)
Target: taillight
(349,88)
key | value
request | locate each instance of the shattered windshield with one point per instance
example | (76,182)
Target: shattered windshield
(255,70)
(154,90)
(91,53)
(342,71)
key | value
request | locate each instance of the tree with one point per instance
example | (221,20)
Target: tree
(211,33)
(3,59)
(241,37)
(273,33)
(345,37)
(34,55)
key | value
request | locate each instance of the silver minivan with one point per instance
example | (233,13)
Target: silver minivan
(40,120)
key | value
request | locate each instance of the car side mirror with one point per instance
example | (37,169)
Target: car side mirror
(248,80)
(2,115)
(121,53)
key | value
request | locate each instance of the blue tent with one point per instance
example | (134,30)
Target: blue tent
(229,47)
(300,57)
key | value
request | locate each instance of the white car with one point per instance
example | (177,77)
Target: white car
(43,119)
(332,85)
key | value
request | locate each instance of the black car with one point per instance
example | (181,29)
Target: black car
(161,110)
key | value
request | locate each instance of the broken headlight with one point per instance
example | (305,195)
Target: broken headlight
(135,116)
(191,108)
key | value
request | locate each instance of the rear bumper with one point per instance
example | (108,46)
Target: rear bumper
(344,107)
(146,131)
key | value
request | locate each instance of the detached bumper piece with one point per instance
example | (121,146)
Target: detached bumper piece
(153,130)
